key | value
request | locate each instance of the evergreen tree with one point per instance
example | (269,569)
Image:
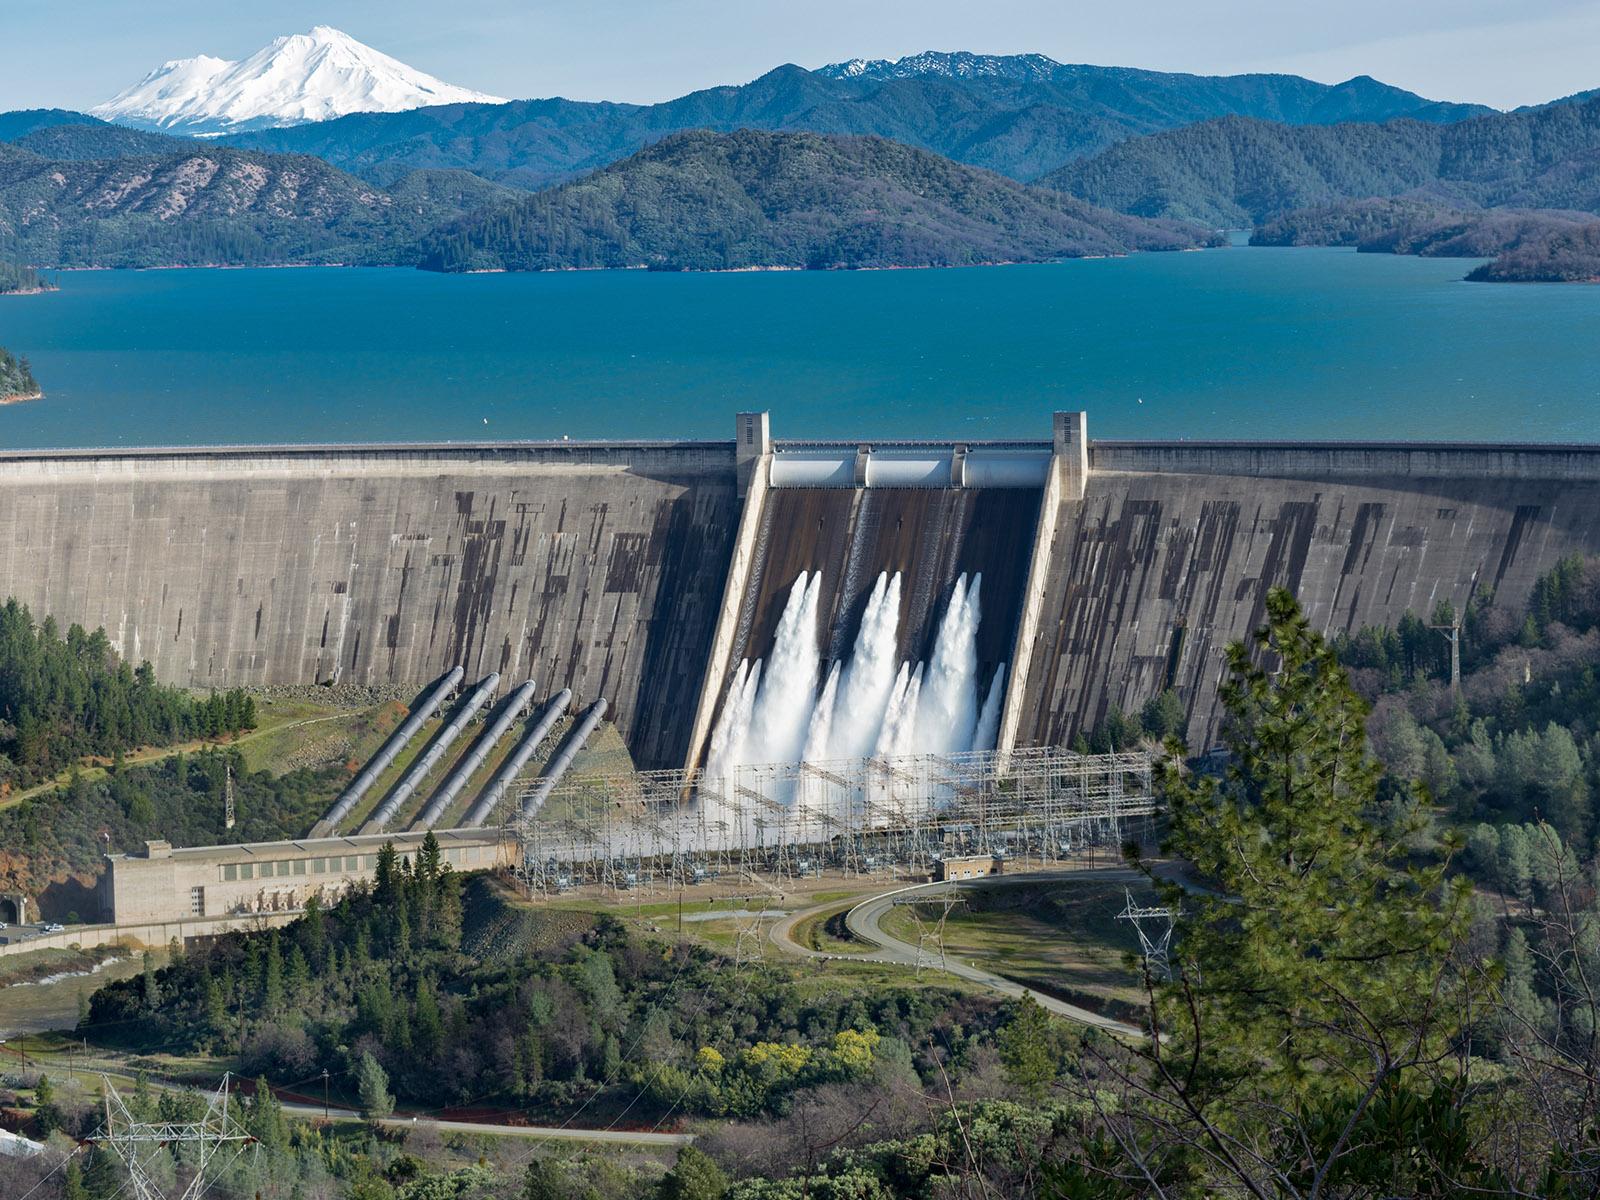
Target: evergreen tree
(372,1088)
(1029,1049)
(1315,987)
(45,1112)
(72,1186)
(543,1180)
(693,1177)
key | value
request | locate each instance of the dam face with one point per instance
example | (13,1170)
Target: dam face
(597,568)
(1169,555)
(647,573)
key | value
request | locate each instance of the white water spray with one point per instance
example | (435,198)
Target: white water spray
(871,705)
(788,693)
(947,707)
(988,732)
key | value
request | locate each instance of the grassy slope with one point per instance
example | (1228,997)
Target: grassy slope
(1062,939)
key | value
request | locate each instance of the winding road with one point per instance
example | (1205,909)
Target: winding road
(864,921)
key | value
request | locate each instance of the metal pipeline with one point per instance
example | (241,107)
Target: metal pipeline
(386,753)
(473,758)
(563,759)
(430,757)
(516,760)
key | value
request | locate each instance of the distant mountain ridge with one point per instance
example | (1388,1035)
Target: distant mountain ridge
(1022,116)
(1237,171)
(956,64)
(209,205)
(304,77)
(753,199)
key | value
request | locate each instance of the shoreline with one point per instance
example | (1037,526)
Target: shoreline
(21,398)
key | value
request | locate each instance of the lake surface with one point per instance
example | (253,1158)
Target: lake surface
(1239,342)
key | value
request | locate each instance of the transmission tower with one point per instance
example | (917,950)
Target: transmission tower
(930,936)
(139,1143)
(751,946)
(1155,941)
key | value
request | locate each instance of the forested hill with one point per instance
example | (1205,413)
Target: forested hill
(206,204)
(1238,171)
(711,201)
(1021,123)
(1528,244)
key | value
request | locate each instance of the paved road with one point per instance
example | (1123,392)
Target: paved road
(546,1132)
(89,1070)
(863,921)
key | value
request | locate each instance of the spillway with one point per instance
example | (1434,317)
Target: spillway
(876,619)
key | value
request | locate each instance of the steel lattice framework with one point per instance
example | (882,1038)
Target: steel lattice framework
(139,1143)
(903,814)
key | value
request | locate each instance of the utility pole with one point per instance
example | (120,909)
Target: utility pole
(324,1094)
(1452,634)
(227,799)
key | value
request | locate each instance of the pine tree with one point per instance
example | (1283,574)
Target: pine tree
(72,1186)
(372,1088)
(693,1177)
(1316,982)
(1029,1050)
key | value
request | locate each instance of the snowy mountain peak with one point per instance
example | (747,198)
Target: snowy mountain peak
(293,79)
(959,64)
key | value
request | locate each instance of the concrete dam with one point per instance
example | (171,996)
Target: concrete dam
(1029,585)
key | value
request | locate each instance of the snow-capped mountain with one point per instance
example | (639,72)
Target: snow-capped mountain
(959,64)
(292,80)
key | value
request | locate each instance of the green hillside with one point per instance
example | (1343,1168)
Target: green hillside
(708,201)
(214,205)
(1239,172)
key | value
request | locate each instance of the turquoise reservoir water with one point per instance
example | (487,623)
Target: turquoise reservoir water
(1238,342)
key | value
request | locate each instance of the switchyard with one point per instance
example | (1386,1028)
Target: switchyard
(901,816)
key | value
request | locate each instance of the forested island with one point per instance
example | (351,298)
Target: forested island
(1527,245)
(16,379)
(18,280)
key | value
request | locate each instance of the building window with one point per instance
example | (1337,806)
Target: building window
(197,901)
(299,866)
(230,872)
(318,866)
(247,871)
(352,863)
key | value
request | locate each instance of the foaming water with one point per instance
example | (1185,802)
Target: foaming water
(870,705)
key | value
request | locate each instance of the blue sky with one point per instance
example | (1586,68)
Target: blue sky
(74,53)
